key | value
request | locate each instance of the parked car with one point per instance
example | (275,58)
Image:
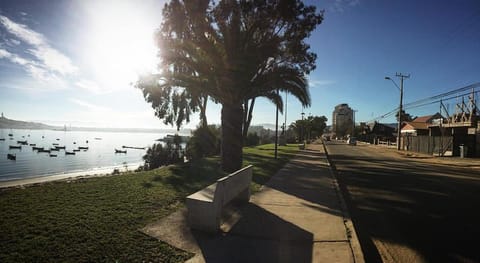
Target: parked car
(352,141)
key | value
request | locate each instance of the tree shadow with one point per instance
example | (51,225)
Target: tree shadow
(429,208)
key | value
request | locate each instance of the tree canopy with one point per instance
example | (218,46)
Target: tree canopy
(405,116)
(231,51)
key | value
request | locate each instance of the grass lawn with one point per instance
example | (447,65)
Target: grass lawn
(97,219)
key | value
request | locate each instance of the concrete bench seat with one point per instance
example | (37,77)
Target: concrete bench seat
(205,206)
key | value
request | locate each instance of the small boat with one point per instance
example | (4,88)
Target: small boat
(52,155)
(33,144)
(76,150)
(54,149)
(11,138)
(23,136)
(120,151)
(97,138)
(133,147)
(43,151)
(74,142)
(15,147)
(58,139)
(69,153)
(11,156)
(22,142)
(2,139)
(83,148)
(60,147)
(43,137)
(86,141)
(37,148)
(55,144)
(10,134)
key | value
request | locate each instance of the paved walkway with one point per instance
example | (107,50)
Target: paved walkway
(298,216)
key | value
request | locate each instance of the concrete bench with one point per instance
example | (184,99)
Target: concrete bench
(205,206)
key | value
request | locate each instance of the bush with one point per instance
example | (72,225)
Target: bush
(205,141)
(158,155)
(252,139)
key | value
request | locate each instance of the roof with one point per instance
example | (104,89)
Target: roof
(415,126)
(428,118)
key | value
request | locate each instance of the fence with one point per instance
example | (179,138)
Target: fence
(435,145)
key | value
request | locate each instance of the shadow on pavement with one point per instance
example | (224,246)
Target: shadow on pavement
(433,210)
(259,237)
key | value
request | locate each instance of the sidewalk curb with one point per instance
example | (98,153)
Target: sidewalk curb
(357,252)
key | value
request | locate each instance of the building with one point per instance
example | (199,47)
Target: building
(342,120)
(419,126)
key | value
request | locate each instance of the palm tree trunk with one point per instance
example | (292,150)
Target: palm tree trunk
(248,117)
(203,109)
(232,117)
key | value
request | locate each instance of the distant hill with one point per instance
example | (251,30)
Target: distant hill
(6,123)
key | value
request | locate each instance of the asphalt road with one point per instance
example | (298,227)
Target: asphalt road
(406,210)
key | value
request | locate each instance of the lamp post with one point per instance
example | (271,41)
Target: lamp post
(303,127)
(276,131)
(402,77)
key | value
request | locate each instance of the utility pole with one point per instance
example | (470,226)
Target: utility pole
(402,77)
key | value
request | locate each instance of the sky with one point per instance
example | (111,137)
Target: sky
(66,62)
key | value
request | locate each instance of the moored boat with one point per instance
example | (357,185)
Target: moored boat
(22,142)
(120,151)
(60,147)
(76,150)
(69,153)
(54,149)
(133,147)
(52,155)
(33,144)
(37,148)
(15,147)
(11,156)
(83,147)
(42,150)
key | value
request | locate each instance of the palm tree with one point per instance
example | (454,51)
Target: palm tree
(235,52)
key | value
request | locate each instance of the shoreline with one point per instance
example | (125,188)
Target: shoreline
(95,172)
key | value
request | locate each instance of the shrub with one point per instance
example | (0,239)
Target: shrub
(159,155)
(252,139)
(205,141)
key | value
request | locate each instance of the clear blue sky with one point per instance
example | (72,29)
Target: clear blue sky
(73,62)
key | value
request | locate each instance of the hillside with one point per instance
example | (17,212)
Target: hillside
(6,123)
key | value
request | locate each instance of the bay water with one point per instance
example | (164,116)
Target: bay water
(100,154)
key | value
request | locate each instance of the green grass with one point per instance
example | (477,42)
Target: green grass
(98,219)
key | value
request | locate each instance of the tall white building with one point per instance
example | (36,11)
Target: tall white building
(342,120)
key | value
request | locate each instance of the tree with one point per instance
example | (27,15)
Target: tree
(317,126)
(405,116)
(309,128)
(235,51)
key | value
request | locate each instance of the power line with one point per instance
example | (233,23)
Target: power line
(431,100)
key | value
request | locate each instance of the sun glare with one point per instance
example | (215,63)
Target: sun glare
(120,43)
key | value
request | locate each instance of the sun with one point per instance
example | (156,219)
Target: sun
(120,42)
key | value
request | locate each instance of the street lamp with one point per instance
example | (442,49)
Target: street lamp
(402,77)
(303,127)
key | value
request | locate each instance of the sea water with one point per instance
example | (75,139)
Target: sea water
(100,153)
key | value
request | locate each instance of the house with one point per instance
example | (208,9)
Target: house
(420,125)
(374,132)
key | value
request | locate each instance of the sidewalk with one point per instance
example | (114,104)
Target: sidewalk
(298,216)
